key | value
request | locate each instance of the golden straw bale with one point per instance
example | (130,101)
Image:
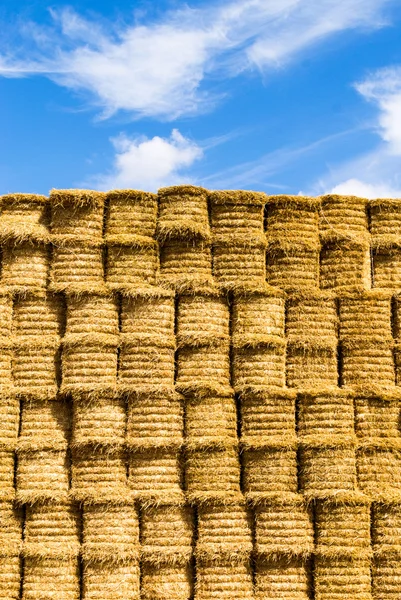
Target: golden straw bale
(327,470)
(77,214)
(202,319)
(25,267)
(52,530)
(237,212)
(386,581)
(210,421)
(44,424)
(385,217)
(110,533)
(377,418)
(11,519)
(166,533)
(259,365)
(7,490)
(387,268)
(258,314)
(342,528)
(366,316)
(212,474)
(379,471)
(345,264)
(156,474)
(183,212)
(287,578)
(311,317)
(9,422)
(131,265)
(10,577)
(311,366)
(146,362)
(6,355)
(325,414)
(267,419)
(224,580)
(149,316)
(99,475)
(396,316)
(224,532)
(367,364)
(283,526)
(76,267)
(24,217)
(342,578)
(204,366)
(110,581)
(130,212)
(296,269)
(42,475)
(343,217)
(185,264)
(155,420)
(239,262)
(386,528)
(166,582)
(36,367)
(269,469)
(34,316)
(50,578)
(6,313)
(292,222)
(89,314)
(89,364)
(99,421)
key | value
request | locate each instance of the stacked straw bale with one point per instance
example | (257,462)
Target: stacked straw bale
(199,396)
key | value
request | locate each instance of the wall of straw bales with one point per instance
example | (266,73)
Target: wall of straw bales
(199,396)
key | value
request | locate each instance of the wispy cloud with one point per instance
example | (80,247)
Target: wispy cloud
(148,164)
(160,69)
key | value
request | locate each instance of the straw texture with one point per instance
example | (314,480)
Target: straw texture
(200,396)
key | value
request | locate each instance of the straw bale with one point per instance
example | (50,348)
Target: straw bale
(283,527)
(99,422)
(166,534)
(210,422)
(212,474)
(33,316)
(7,490)
(24,217)
(6,380)
(311,317)
(263,365)
(386,529)
(10,577)
(155,421)
(325,414)
(293,270)
(10,529)
(311,367)
(377,418)
(267,420)
(224,580)
(387,268)
(110,533)
(110,581)
(342,529)
(343,217)
(146,363)
(367,364)
(131,265)
(287,578)
(258,314)
(235,198)
(366,316)
(77,214)
(292,222)
(166,582)
(42,475)
(202,319)
(45,424)
(155,474)
(224,532)
(238,263)
(35,367)
(76,268)
(203,366)
(345,264)
(269,469)
(52,530)
(240,218)
(50,579)
(89,314)
(379,471)
(150,316)
(183,261)
(89,366)
(25,267)
(6,314)
(183,212)
(327,471)
(9,422)
(130,212)
(342,578)
(386,580)
(99,475)
(385,217)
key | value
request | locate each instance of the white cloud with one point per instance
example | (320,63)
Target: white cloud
(158,69)
(148,164)
(356,187)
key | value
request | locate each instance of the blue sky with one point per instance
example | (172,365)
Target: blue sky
(282,96)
